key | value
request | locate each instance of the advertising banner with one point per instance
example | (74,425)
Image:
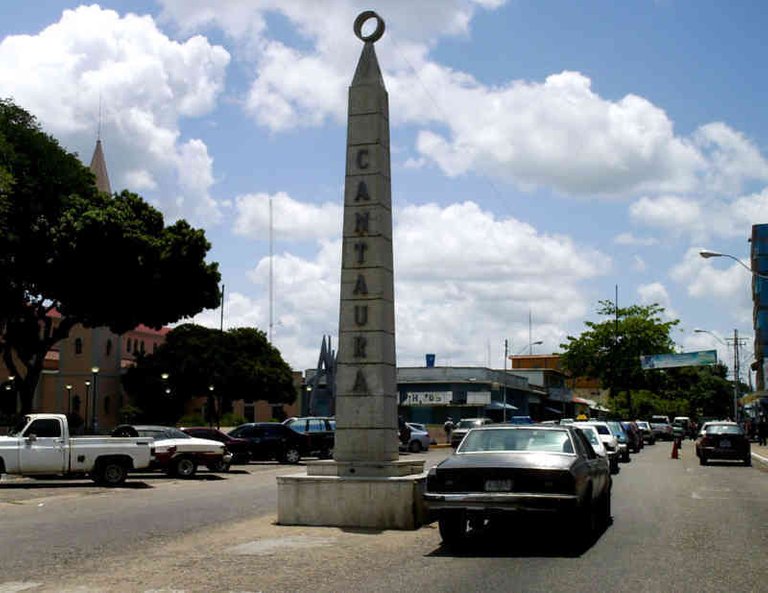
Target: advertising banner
(684,359)
(427,398)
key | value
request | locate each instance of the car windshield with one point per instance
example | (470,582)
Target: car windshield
(469,423)
(523,439)
(162,433)
(715,429)
(591,435)
(617,429)
(602,429)
(643,425)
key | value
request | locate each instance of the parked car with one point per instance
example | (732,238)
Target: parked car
(504,470)
(610,442)
(662,430)
(634,436)
(621,436)
(420,439)
(723,440)
(273,440)
(177,453)
(686,424)
(238,447)
(464,426)
(590,431)
(320,430)
(520,420)
(645,430)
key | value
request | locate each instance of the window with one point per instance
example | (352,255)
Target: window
(128,345)
(108,349)
(142,346)
(44,428)
(78,346)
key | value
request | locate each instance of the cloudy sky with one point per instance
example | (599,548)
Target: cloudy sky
(543,153)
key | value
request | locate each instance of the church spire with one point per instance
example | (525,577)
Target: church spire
(99,169)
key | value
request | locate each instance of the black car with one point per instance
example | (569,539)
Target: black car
(500,471)
(272,440)
(320,430)
(240,448)
(723,440)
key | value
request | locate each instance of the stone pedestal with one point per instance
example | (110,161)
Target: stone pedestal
(324,497)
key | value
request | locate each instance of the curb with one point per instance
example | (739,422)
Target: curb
(760,458)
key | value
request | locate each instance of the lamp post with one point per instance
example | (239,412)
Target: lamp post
(87,400)
(706,254)
(506,355)
(68,387)
(736,371)
(211,406)
(94,423)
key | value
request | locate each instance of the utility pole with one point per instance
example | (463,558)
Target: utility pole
(736,373)
(506,354)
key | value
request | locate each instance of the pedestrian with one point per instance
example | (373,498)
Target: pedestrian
(404,432)
(762,431)
(448,428)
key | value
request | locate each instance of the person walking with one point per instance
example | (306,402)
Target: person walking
(448,428)
(762,431)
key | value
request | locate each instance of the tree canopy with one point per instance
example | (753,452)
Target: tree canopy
(238,363)
(610,351)
(93,259)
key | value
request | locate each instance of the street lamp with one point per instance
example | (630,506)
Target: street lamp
(736,372)
(68,387)
(87,400)
(706,254)
(95,412)
(211,406)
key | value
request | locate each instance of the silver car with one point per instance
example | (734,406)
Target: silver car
(420,439)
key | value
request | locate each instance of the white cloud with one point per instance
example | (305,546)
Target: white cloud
(656,292)
(291,220)
(639,264)
(146,83)
(630,239)
(460,274)
(672,213)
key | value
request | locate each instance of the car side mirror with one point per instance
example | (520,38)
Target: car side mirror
(31,438)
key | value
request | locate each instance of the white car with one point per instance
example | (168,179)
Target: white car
(177,453)
(610,442)
(590,431)
(420,439)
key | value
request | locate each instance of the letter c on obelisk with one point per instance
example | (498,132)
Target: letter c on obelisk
(360,21)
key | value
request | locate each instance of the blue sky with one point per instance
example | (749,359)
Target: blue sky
(543,153)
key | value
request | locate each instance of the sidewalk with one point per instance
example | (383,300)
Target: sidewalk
(760,453)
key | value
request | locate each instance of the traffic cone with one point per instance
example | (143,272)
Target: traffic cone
(675,450)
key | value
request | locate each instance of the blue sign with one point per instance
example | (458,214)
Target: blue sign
(430,361)
(684,359)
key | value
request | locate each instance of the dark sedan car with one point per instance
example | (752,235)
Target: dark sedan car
(320,430)
(723,440)
(501,470)
(238,447)
(272,440)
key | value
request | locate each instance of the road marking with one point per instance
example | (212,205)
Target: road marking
(760,457)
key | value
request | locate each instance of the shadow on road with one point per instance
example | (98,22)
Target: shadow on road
(521,541)
(54,484)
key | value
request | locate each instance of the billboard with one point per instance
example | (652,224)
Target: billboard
(684,359)
(427,398)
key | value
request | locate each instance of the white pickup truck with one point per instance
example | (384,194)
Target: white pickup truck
(40,445)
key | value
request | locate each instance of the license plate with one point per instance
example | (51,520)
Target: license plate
(725,444)
(498,485)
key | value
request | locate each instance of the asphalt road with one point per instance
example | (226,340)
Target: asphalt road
(677,527)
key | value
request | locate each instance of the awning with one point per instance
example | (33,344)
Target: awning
(554,411)
(500,406)
(585,402)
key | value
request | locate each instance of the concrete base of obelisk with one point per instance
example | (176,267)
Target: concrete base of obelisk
(388,496)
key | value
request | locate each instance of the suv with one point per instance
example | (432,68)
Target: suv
(661,428)
(464,426)
(272,440)
(321,432)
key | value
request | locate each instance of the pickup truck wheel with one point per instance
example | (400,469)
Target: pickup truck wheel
(702,459)
(415,447)
(291,455)
(184,467)
(110,473)
(326,453)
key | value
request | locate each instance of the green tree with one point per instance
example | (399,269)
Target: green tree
(239,364)
(96,260)
(610,350)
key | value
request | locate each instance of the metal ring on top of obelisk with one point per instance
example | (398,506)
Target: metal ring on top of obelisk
(360,21)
